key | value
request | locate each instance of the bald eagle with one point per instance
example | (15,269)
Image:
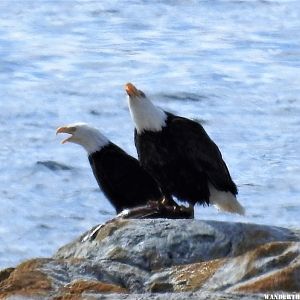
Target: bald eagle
(121,178)
(180,155)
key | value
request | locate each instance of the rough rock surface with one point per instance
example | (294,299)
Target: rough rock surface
(164,259)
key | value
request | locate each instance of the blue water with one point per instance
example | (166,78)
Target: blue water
(233,65)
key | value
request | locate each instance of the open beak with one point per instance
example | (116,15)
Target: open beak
(66,129)
(131,90)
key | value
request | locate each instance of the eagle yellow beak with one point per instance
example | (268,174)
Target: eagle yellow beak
(66,129)
(131,90)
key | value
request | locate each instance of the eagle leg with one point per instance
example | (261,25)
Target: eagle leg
(188,210)
(168,200)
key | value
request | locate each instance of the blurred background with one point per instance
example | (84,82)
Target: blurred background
(232,65)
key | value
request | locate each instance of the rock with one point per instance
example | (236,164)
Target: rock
(27,280)
(54,166)
(5,273)
(154,244)
(164,259)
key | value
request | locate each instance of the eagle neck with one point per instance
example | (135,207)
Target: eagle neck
(146,116)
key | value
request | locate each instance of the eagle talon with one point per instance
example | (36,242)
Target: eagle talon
(188,210)
(168,201)
(164,201)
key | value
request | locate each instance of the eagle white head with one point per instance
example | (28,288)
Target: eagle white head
(144,114)
(90,138)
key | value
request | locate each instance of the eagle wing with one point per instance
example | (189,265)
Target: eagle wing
(128,178)
(196,146)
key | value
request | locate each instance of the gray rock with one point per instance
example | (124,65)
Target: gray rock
(164,259)
(54,166)
(177,296)
(153,244)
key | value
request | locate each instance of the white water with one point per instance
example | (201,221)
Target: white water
(235,65)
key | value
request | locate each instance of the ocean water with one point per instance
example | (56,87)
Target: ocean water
(232,65)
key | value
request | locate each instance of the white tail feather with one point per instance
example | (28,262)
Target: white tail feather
(225,201)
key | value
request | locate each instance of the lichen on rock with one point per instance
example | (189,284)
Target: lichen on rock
(166,258)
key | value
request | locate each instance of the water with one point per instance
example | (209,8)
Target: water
(234,65)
